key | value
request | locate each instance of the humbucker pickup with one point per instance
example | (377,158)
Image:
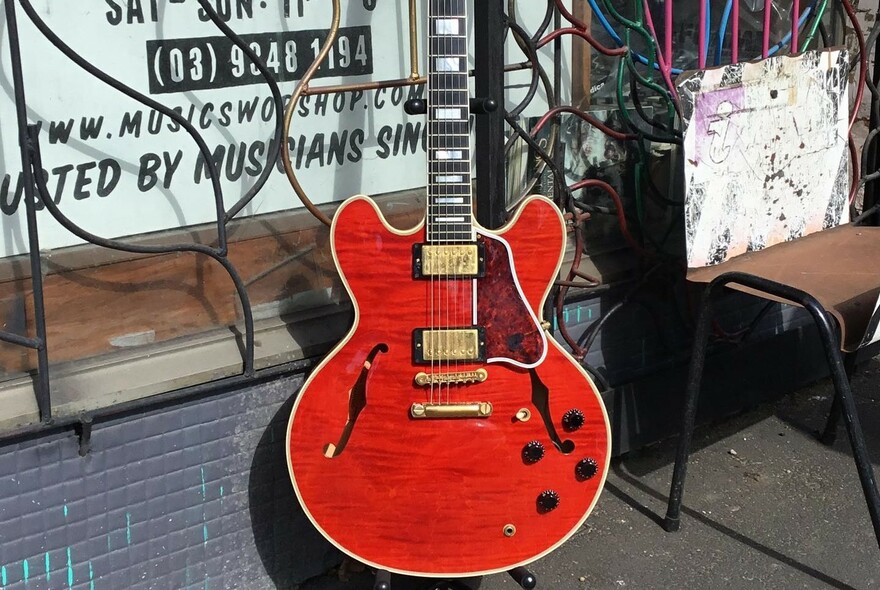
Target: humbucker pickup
(455,344)
(449,261)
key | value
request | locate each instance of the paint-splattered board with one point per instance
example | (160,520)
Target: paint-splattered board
(765,153)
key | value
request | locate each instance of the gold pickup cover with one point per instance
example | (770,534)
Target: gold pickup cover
(450,260)
(451,345)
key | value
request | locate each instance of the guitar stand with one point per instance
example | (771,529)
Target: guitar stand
(383,580)
(524,578)
(520,575)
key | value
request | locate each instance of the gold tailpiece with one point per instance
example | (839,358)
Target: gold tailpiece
(470,410)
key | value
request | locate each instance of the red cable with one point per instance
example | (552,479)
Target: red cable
(860,92)
(621,217)
(579,28)
(856,168)
(585,36)
(863,61)
(576,350)
(586,117)
(560,6)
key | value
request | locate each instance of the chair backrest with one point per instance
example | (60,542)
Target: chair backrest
(765,153)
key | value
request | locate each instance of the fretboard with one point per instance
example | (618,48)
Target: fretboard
(449,154)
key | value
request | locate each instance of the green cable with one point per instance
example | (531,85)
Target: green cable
(820,12)
(640,205)
(643,155)
(648,82)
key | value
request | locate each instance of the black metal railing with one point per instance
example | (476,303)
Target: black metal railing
(497,132)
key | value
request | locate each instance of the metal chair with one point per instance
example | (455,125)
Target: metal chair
(831,273)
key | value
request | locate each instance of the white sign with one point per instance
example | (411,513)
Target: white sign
(765,153)
(117,168)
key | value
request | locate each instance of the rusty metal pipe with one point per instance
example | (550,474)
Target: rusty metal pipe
(291,106)
(302,89)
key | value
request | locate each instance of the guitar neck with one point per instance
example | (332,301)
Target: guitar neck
(449,210)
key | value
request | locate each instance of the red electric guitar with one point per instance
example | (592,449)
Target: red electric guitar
(448,434)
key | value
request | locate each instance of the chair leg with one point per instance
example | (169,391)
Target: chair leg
(850,417)
(829,435)
(672,522)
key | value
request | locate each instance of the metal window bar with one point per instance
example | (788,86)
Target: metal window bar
(35,187)
(492,136)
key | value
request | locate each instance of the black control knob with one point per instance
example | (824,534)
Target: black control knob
(548,501)
(586,469)
(533,452)
(573,419)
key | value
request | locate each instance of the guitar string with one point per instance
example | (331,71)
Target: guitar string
(447,83)
(432,24)
(455,98)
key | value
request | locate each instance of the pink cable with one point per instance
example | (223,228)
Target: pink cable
(702,35)
(668,32)
(795,18)
(766,47)
(665,67)
(734,34)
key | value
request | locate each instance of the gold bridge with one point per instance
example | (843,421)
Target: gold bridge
(456,344)
(440,411)
(449,260)
(459,377)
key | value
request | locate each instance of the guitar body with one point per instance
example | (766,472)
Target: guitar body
(447,497)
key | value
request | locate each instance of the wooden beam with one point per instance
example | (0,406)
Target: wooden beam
(582,58)
(134,300)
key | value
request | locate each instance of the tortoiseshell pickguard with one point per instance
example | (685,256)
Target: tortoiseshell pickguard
(511,331)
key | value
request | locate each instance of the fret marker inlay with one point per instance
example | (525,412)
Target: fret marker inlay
(449,64)
(447,26)
(449,114)
(450,179)
(448,154)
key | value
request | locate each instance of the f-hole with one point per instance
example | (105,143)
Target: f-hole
(541,401)
(357,401)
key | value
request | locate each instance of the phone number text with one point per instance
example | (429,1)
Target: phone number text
(182,65)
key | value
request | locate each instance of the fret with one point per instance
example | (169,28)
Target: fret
(459,214)
(450,141)
(443,138)
(439,238)
(448,166)
(448,7)
(449,45)
(451,190)
(449,97)
(448,128)
(466,234)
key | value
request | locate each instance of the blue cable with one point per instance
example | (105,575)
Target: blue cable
(708,29)
(722,31)
(605,24)
(724,20)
